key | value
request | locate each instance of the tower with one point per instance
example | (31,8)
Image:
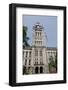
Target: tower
(38,35)
(39,44)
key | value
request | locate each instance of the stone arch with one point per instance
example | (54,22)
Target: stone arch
(24,70)
(41,69)
(36,70)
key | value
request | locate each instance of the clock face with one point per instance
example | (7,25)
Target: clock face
(38,26)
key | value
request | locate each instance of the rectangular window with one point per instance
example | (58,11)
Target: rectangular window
(29,62)
(36,52)
(26,53)
(41,62)
(40,53)
(37,62)
(29,54)
(25,61)
(23,53)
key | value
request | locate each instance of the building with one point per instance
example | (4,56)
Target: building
(36,57)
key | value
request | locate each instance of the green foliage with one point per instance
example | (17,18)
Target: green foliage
(26,71)
(53,63)
(56,61)
(25,38)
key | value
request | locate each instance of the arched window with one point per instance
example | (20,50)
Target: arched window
(36,70)
(41,69)
(24,70)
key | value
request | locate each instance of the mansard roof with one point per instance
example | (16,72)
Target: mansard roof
(37,26)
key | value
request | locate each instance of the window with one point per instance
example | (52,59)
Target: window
(29,61)
(29,54)
(25,61)
(41,69)
(36,62)
(26,53)
(36,33)
(41,62)
(40,33)
(36,52)
(41,53)
(36,70)
(23,53)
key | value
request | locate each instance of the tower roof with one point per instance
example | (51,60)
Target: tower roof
(38,26)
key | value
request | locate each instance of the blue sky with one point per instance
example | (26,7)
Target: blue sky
(50,27)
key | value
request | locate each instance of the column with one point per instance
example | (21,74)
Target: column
(38,56)
(33,59)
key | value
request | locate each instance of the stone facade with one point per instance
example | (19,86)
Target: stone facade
(36,57)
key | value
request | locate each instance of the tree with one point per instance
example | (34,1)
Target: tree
(53,63)
(25,38)
(24,70)
(56,61)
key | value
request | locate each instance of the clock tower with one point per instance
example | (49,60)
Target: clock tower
(39,46)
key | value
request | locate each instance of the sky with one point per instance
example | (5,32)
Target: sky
(50,27)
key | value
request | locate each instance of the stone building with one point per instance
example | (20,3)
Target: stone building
(36,57)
